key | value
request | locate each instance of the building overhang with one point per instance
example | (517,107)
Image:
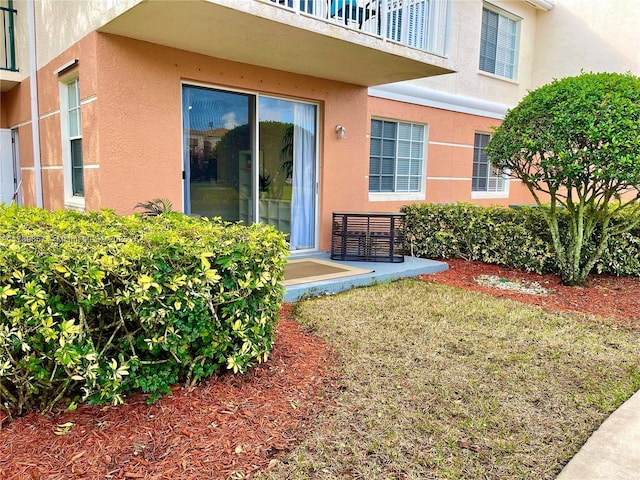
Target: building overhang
(260,32)
(544,5)
(9,79)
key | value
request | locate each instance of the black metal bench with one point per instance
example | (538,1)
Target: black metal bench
(373,237)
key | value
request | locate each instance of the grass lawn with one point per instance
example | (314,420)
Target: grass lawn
(439,382)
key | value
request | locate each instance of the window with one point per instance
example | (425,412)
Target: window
(498,44)
(486,178)
(71,131)
(75,138)
(396,157)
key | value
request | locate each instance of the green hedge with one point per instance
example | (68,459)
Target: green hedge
(512,237)
(97,304)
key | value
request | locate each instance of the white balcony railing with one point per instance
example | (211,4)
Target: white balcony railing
(422,24)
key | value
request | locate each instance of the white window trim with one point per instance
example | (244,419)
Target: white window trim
(72,202)
(395,197)
(483,195)
(403,196)
(516,62)
(479,195)
(499,77)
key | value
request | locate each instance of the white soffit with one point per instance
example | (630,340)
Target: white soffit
(545,5)
(406,92)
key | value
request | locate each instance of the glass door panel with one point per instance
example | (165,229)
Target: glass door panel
(287,169)
(218,160)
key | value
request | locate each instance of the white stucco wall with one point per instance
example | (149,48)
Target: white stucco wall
(589,35)
(59,24)
(470,81)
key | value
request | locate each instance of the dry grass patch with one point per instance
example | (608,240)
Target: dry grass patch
(438,382)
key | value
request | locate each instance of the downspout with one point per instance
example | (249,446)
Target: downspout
(35,114)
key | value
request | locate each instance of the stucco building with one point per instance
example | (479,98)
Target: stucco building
(281,111)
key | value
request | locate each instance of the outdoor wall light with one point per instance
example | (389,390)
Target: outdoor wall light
(341,131)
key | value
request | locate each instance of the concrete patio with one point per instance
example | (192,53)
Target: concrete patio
(382,273)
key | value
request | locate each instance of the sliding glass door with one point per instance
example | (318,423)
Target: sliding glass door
(251,159)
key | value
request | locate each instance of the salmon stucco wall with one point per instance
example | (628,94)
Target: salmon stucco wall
(131,109)
(131,100)
(17,114)
(49,84)
(139,97)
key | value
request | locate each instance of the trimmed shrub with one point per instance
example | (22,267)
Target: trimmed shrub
(97,304)
(512,237)
(622,257)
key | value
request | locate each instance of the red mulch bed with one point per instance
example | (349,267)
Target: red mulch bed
(614,297)
(229,426)
(233,426)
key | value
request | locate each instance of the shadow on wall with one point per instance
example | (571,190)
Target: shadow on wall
(603,38)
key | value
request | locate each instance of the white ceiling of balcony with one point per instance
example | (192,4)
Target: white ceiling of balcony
(262,33)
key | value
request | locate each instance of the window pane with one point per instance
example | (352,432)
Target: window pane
(374,165)
(483,170)
(73,102)
(403,166)
(72,91)
(374,183)
(488,40)
(404,131)
(388,148)
(416,167)
(475,170)
(416,150)
(404,148)
(376,128)
(376,147)
(74,123)
(387,166)
(386,184)
(481,140)
(77,180)
(402,184)
(417,133)
(389,130)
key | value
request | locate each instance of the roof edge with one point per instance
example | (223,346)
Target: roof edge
(545,5)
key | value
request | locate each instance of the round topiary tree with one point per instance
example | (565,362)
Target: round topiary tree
(575,144)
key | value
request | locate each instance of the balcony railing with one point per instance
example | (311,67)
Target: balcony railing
(421,24)
(7,48)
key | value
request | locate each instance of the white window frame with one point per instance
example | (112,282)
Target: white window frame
(502,16)
(71,201)
(479,194)
(395,195)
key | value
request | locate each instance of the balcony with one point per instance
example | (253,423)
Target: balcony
(366,43)
(9,75)
(420,24)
